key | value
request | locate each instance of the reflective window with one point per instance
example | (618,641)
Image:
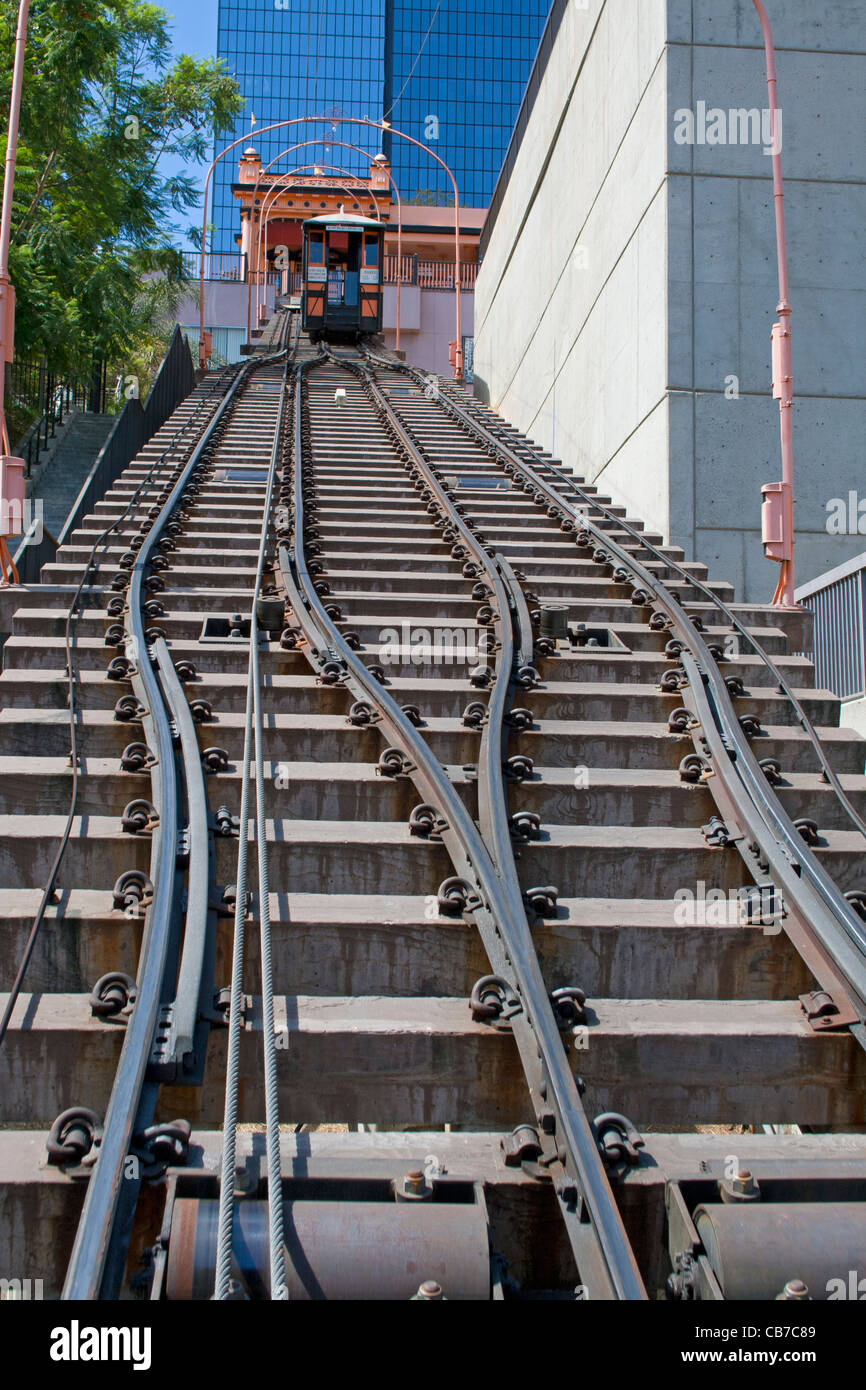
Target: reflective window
(458,92)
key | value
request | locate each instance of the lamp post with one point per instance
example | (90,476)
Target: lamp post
(12,479)
(777,511)
(334,121)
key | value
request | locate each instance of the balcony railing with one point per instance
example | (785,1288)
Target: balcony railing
(838,601)
(224,266)
(429,275)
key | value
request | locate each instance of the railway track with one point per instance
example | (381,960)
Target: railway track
(541,963)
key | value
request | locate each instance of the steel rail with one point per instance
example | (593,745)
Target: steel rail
(828,917)
(183,1023)
(592,1218)
(731,619)
(131,1102)
(597,1245)
(802,916)
(276,1233)
(225,1220)
(69,643)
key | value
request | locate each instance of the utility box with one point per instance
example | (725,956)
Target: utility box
(7,317)
(773,522)
(12,491)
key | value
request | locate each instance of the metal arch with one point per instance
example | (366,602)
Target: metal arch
(827,918)
(602,1248)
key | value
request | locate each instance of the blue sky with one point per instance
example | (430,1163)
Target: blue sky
(194,27)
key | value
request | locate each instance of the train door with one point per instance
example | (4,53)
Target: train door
(371,282)
(315,275)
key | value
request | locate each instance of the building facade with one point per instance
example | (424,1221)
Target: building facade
(628,288)
(451,76)
(456,85)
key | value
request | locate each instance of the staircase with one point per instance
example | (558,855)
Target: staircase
(63,477)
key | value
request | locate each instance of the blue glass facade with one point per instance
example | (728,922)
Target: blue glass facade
(301,58)
(458,92)
(464,90)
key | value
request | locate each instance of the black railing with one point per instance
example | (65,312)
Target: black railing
(38,391)
(135,425)
(36,548)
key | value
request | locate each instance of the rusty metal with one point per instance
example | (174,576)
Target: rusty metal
(340,1249)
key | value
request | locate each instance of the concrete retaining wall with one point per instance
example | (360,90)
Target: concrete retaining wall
(624,307)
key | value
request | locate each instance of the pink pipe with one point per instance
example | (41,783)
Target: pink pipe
(6,349)
(783,360)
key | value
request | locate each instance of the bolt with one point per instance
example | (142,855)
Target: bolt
(430,1290)
(794,1289)
(414,1181)
(744,1183)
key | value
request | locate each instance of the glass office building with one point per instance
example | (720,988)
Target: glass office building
(456,88)
(462,94)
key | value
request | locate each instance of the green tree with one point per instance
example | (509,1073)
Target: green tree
(92,261)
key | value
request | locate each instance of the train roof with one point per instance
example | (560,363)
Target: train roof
(344,219)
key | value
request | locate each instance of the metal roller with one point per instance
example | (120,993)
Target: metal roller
(337,1250)
(554,621)
(756,1248)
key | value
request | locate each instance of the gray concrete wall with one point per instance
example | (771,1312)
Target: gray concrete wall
(621,359)
(570,300)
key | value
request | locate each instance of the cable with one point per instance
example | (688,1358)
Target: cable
(253,723)
(387,113)
(230,1115)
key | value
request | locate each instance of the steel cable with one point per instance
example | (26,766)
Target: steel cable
(230,1117)
(253,727)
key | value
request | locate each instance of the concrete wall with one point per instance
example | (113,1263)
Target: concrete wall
(628,278)
(225,308)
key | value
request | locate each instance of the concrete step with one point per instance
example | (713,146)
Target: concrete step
(421,1062)
(442,696)
(354,943)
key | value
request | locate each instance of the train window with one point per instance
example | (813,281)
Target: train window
(316,248)
(371,250)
